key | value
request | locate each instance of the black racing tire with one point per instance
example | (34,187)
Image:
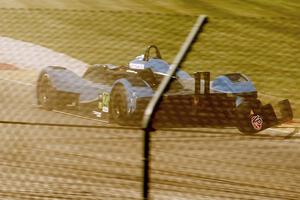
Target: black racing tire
(249,118)
(118,105)
(251,125)
(46,93)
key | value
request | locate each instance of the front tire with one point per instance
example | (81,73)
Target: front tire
(249,118)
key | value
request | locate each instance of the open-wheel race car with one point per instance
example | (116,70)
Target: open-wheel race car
(120,94)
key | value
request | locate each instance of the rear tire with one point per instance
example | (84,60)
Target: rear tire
(118,105)
(46,93)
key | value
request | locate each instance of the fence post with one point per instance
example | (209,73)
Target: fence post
(147,119)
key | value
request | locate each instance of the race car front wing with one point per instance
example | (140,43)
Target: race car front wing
(273,117)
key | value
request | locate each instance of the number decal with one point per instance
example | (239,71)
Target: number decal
(100,105)
(105,102)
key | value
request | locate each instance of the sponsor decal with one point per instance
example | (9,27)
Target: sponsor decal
(257,122)
(105,102)
(136,66)
(98,114)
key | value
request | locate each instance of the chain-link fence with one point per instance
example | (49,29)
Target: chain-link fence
(77,152)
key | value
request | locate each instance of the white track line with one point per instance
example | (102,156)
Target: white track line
(26,55)
(18,82)
(79,116)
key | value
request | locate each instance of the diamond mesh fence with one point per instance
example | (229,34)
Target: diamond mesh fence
(64,132)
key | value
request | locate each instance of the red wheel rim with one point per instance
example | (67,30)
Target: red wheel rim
(257,122)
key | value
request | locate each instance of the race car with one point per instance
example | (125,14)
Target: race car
(120,94)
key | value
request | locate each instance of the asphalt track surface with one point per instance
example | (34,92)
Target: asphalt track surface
(39,161)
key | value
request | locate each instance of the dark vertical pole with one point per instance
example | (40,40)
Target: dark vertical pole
(206,82)
(147,120)
(147,140)
(197,77)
